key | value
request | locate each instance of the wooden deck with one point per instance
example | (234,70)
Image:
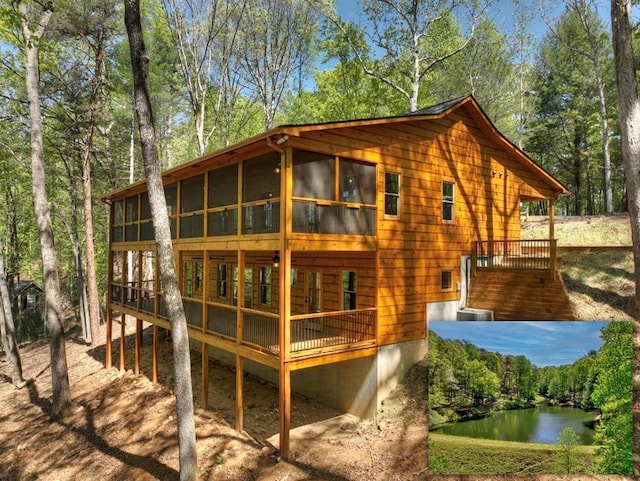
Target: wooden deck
(520,294)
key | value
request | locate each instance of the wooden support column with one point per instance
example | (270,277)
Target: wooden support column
(553,248)
(204,395)
(154,355)
(239,424)
(552,214)
(239,393)
(474,258)
(123,321)
(136,348)
(284,307)
(109,326)
(204,382)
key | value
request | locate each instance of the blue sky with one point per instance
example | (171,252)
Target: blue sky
(544,343)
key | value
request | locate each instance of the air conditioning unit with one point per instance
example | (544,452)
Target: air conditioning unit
(470,314)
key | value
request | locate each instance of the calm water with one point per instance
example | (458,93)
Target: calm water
(541,424)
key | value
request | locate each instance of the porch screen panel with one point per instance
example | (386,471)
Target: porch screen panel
(261,178)
(313,175)
(192,200)
(223,187)
(171,196)
(357,182)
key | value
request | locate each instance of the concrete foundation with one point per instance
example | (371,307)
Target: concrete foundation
(356,387)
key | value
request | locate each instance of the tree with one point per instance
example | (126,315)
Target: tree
(277,41)
(166,263)
(613,396)
(413,37)
(568,440)
(629,115)
(32,35)
(592,43)
(8,331)
(204,34)
(566,133)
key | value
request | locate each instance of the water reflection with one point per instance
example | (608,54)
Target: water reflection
(541,424)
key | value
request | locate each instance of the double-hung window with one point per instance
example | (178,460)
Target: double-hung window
(448,195)
(391,194)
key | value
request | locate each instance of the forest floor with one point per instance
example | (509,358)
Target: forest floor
(125,426)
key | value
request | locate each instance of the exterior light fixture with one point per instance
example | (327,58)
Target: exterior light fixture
(276,259)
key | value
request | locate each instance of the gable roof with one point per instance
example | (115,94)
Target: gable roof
(430,113)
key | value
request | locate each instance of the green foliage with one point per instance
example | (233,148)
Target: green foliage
(612,395)
(568,440)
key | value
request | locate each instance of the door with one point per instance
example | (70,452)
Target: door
(314,299)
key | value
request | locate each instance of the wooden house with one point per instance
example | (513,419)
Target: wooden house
(314,255)
(28,311)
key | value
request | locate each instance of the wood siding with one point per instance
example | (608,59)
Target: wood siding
(417,246)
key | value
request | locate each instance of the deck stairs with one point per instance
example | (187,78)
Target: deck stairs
(520,294)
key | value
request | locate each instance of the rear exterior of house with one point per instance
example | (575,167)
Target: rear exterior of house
(314,255)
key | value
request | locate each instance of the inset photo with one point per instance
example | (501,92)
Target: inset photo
(529,398)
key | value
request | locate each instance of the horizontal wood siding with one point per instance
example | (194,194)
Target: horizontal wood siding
(416,247)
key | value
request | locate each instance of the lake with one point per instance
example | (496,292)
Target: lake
(541,424)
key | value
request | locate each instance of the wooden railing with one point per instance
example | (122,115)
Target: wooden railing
(515,254)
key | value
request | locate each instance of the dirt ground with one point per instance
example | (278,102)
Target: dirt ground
(125,426)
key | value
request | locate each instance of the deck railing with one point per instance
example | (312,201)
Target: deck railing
(330,329)
(515,254)
(261,330)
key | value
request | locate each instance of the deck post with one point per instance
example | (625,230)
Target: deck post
(553,247)
(204,394)
(239,422)
(154,355)
(136,347)
(239,393)
(552,212)
(284,306)
(123,321)
(109,326)
(553,258)
(474,258)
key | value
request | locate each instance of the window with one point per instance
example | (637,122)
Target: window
(248,286)
(447,201)
(446,280)
(349,290)
(265,285)
(222,281)
(391,194)
(193,278)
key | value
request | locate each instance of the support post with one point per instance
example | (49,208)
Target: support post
(239,393)
(154,355)
(136,349)
(553,247)
(284,306)
(474,258)
(204,395)
(552,215)
(123,321)
(109,326)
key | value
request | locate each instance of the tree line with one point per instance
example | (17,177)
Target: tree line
(465,378)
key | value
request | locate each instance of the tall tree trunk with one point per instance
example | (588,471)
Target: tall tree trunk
(629,115)
(92,283)
(9,340)
(157,201)
(61,399)
(72,230)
